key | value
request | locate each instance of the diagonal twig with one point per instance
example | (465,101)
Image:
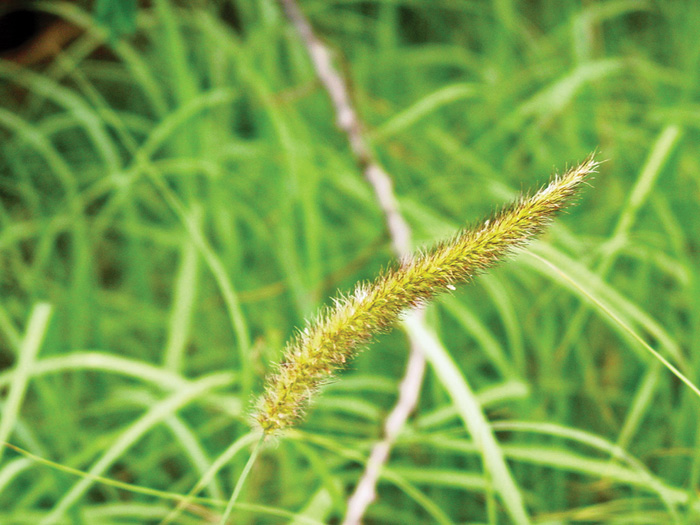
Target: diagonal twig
(400,234)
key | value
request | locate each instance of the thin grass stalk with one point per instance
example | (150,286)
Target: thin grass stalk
(241,481)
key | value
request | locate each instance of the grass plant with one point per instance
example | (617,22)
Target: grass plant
(174,202)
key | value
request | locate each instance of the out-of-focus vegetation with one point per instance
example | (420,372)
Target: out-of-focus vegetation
(174,202)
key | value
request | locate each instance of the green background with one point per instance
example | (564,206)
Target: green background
(182,199)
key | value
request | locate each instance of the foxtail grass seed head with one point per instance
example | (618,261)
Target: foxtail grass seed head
(328,342)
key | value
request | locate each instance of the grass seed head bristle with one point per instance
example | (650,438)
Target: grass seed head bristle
(333,339)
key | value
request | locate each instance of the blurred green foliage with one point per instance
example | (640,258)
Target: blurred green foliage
(183,199)
(118,15)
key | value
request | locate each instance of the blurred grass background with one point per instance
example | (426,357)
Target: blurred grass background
(176,200)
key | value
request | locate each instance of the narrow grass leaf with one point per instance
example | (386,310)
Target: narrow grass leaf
(20,375)
(570,281)
(474,420)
